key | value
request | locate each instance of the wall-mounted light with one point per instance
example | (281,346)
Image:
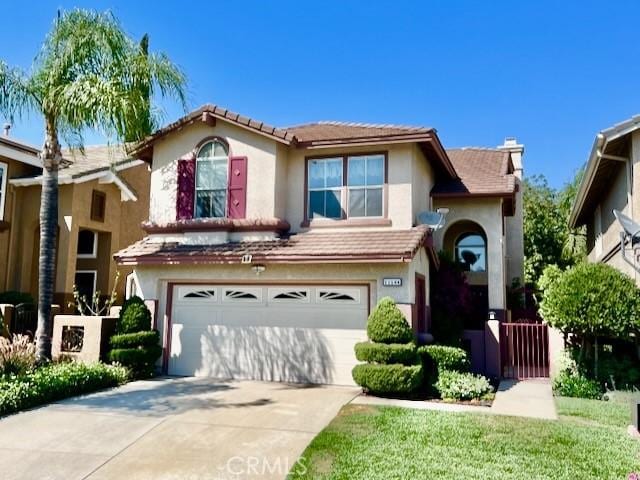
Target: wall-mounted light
(258,268)
(492,315)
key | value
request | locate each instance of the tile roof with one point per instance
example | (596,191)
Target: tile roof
(340,131)
(335,247)
(481,171)
(94,159)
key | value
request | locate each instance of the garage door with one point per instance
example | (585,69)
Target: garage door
(280,333)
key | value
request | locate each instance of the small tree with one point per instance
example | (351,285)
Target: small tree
(591,301)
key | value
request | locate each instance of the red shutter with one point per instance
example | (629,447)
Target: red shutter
(186,188)
(237,205)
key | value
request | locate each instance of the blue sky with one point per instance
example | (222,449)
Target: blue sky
(550,73)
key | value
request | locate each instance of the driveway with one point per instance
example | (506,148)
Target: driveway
(178,429)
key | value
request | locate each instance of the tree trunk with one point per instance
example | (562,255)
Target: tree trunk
(595,359)
(50,156)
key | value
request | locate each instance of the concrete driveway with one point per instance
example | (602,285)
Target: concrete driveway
(178,429)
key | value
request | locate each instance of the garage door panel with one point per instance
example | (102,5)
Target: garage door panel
(302,336)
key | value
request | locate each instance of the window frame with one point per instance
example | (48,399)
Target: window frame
(461,237)
(94,253)
(344,191)
(95,195)
(3,188)
(199,148)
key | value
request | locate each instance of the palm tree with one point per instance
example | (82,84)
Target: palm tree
(89,74)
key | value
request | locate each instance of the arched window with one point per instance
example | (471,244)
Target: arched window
(212,171)
(471,252)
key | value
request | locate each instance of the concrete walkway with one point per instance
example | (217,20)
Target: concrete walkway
(419,405)
(170,429)
(525,398)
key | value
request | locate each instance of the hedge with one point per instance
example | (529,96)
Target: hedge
(403,353)
(134,317)
(387,324)
(462,386)
(147,338)
(386,379)
(139,360)
(437,358)
(55,382)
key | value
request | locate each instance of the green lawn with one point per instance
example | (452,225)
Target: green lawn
(362,442)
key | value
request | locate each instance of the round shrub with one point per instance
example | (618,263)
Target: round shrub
(135,318)
(138,339)
(395,378)
(437,358)
(403,353)
(387,324)
(462,386)
(592,299)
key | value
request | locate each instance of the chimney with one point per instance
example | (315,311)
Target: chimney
(517,150)
(6,128)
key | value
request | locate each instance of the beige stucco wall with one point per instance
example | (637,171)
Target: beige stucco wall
(486,212)
(120,228)
(153,280)
(261,168)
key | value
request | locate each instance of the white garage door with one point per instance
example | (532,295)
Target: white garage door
(280,333)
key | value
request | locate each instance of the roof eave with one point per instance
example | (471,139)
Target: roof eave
(587,180)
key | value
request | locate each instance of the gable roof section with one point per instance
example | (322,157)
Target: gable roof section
(609,150)
(97,162)
(313,247)
(20,151)
(311,135)
(481,171)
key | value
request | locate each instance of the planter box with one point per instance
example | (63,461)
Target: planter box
(81,337)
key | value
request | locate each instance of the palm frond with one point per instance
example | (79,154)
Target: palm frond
(16,93)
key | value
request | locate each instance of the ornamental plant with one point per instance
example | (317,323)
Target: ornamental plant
(393,365)
(592,301)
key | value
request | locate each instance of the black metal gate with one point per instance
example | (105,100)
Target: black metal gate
(24,320)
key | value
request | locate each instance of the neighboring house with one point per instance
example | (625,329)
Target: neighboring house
(267,247)
(611,182)
(103,198)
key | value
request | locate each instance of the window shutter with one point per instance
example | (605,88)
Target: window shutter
(186,188)
(237,187)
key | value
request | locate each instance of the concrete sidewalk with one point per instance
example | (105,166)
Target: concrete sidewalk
(525,398)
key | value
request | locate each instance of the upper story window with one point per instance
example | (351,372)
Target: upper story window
(3,188)
(212,175)
(471,252)
(346,186)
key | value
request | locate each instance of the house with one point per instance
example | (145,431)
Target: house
(611,181)
(267,247)
(103,198)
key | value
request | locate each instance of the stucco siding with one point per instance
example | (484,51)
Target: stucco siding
(261,168)
(423,182)
(486,212)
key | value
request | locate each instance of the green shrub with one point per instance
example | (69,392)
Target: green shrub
(17,355)
(442,357)
(574,384)
(140,360)
(385,379)
(403,353)
(462,386)
(387,324)
(133,340)
(55,382)
(16,298)
(134,318)
(592,299)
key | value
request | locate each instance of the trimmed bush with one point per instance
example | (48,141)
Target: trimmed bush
(462,386)
(437,358)
(387,324)
(385,379)
(149,338)
(55,382)
(574,384)
(140,360)
(403,353)
(134,318)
